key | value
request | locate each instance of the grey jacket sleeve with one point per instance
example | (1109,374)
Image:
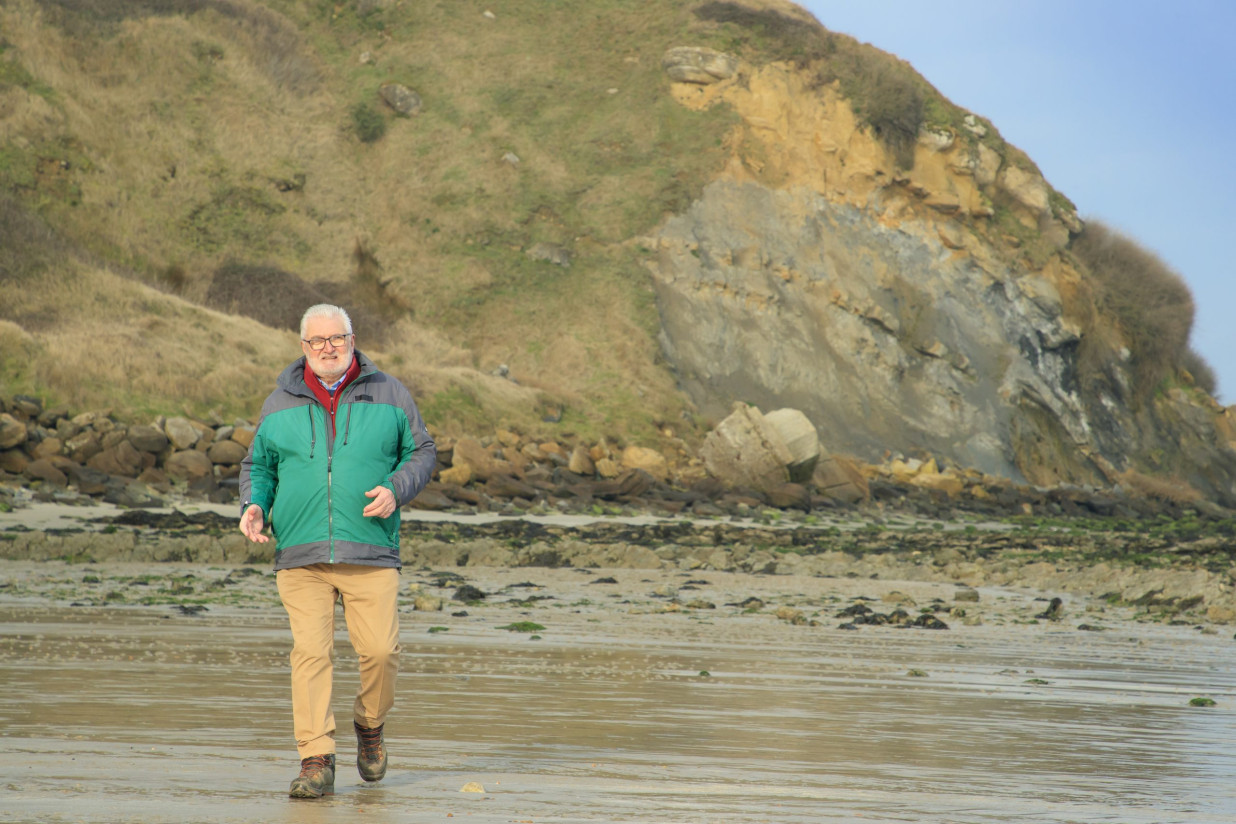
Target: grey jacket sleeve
(418,458)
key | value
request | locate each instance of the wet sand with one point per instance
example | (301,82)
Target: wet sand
(629,705)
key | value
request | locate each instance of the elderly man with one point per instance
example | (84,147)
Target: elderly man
(340,447)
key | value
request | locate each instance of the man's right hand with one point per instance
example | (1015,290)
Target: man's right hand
(252,523)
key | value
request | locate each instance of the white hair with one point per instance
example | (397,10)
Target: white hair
(325,310)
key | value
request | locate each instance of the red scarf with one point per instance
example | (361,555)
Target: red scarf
(330,401)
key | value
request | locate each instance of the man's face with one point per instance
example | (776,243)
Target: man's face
(330,362)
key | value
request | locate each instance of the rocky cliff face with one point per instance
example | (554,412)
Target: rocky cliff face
(883,336)
(891,306)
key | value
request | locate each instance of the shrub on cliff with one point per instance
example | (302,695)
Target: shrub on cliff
(1201,371)
(1148,302)
(368,122)
(783,36)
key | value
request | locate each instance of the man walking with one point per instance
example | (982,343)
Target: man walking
(340,447)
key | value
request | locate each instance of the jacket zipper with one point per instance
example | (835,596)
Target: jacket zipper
(328,418)
(329,423)
(330,509)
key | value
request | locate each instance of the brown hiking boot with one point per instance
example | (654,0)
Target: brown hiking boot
(370,752)
(316,779)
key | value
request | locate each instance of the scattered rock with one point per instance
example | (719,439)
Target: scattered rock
(793,616)
(12,431)
(182,433)
(1053,612)
(642,459)
(400,98)
(44,470)
(973,126)
(551,253)
(928,621)
(468,594)
(188,464)
(698,64)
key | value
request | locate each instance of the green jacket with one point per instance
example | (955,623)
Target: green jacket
(311,487)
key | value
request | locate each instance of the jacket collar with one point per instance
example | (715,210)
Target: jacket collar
(292,379)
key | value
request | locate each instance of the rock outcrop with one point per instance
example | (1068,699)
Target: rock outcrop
(695,64)
(880,335)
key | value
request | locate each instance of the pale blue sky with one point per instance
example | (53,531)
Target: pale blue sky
(1127,106)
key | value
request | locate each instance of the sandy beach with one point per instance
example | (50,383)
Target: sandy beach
(157,691)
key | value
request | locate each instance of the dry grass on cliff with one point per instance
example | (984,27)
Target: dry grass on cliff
(1170,489)
(176,359)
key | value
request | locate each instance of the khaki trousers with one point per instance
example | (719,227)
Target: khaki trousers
(370,607)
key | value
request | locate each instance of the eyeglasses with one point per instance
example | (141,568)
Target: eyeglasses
(318,344)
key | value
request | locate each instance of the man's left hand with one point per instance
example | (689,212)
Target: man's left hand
(382,505)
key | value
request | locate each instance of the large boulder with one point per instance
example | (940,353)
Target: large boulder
(12,431)
(188,464)
(226,452)
(83,446)
(745,450)
(27,407)
(123,459)
(182,432)
(146,438)
(47,448)
(649,460)
(88,480)
(482,463)
(840,479)
(14,461)
(581,462)
(243,434)
(800,437)
(44,470)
